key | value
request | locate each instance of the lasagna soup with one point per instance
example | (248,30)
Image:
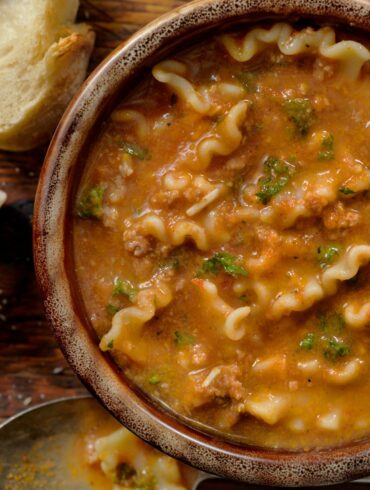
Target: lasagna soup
(221,236)
(118,460)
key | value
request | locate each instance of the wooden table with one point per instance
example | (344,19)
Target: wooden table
(32,368)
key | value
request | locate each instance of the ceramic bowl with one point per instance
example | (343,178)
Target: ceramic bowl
(52,229)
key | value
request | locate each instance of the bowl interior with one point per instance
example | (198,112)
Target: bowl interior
(148,418)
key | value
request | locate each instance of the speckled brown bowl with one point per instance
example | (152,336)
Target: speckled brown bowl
(52,229)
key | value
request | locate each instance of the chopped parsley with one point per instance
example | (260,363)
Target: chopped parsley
(332,325)
(270,188)
(125,474)
(346,191)
(124,288)
(178,257)
(171,262)
(307,342)
(300,112)
(323,320)
(335,349)
(222,261)
(244,298)
(247,80)
(154,379)
(328,341)
(278,174)
(111,309)
(333,322)
(184,338)
(257,126)
(135,150)
(91,204)
(337,321)
(327,148)
(144,482)
(110,344)
(237,183)
(292,159)
(327,254)
(275,166)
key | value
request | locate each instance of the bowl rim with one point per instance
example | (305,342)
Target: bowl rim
(50,228)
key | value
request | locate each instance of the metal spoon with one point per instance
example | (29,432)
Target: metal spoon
(36,448)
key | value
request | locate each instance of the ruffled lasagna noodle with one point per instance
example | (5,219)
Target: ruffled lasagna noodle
(221,235)
(121,461)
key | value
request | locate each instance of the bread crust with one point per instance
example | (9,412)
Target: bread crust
(3,197)
(63,71)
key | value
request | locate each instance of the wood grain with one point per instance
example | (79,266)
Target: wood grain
(32,368)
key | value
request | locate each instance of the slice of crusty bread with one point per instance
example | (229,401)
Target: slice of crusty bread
(43,61)
(2,197)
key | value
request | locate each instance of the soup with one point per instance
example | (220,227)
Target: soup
(221,236)
(115,459)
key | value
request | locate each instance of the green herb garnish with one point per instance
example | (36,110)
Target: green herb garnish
(336,322)
(222,261)
(327,148)
(111,309)
(300,112)
(331,323)
(307,342)
(127,476)
(154,379)
(169,263)
(276,166)
(135,150)
(110,344)
(270,188)
(247,80)
(292,159)
(346,191)
(327,254)
(328,340)
(257,126)
(125,473)
(91,204)
(278,174)
(335,349)
(237,183)
(244,298)
(184,338)
(144,482)
(124,288)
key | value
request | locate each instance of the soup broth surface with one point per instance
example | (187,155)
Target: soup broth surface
(221,236)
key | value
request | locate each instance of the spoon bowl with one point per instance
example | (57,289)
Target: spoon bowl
(39,450)
(36,445)
(39,447)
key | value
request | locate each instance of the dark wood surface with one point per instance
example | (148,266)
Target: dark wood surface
(32,368)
